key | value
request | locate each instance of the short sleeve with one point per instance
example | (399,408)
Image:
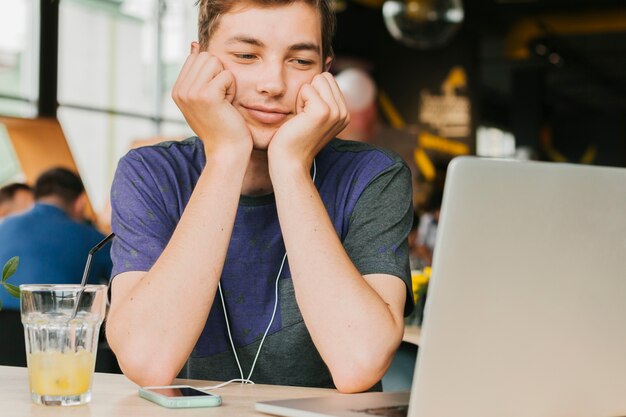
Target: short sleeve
(139,219)
(377,238)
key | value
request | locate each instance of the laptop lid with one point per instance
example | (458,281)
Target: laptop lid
(526,310)
(526,315)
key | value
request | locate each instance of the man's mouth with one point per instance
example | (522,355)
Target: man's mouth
(267,114)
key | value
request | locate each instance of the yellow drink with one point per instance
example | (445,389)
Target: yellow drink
(56,373)
(61,329)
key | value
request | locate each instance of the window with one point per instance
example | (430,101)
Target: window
(118,60)
(19,66)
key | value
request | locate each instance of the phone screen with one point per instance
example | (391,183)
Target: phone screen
(180,392)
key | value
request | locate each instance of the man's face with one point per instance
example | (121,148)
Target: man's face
(272,52)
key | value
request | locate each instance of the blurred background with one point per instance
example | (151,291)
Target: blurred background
(83,81)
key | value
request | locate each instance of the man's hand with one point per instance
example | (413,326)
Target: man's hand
(355,321)
(204,92)
(321,114)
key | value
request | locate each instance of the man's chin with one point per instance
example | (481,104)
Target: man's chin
(261,138)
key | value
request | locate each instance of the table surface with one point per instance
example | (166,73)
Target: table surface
(114,395)
(412,334)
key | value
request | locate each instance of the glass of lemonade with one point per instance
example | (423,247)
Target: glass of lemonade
(61,328)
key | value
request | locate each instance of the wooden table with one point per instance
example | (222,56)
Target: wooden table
(114,395)
(412,334)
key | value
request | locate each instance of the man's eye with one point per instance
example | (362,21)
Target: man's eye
(303,62)
(245,56)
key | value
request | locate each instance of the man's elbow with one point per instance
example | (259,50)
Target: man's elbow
(146,373)
(149,377)
(142,367)
(360,375)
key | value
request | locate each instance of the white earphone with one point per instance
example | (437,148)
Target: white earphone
(230,338)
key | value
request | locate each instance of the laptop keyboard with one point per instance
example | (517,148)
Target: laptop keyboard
(393,411)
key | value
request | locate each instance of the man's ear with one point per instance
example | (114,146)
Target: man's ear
(78,208)
(329,61)
(201,47)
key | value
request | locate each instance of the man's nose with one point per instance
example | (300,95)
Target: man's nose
(271,79)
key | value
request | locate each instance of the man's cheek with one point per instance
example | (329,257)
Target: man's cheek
(241,110)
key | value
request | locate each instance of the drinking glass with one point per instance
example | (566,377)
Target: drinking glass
(61,328)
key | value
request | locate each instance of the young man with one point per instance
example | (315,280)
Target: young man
(226,209)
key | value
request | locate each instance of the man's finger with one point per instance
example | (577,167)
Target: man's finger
(308,97)
(194,49)
(184,71)
(320,83)
(225,85)
(339,97)
(201,73)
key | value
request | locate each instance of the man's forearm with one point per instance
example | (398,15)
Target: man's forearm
(155,322)
(352,326)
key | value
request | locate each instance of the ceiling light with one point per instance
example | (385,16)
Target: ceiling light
(423,24)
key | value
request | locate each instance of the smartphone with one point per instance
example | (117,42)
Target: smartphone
(180,396)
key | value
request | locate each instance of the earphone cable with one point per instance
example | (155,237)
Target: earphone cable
(223,384)
(230,338)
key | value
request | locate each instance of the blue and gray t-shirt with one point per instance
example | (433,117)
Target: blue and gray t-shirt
(367,194)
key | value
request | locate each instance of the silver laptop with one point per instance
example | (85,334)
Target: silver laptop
(526,312)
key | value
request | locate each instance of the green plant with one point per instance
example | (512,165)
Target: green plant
(9,269)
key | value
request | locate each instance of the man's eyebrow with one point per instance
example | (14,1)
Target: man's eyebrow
(305,46)
(245,39)
(301,46)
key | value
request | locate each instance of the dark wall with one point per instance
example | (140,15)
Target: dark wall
(403,73)
(531,102)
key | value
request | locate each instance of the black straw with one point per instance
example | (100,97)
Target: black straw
(87,269)
(91,253)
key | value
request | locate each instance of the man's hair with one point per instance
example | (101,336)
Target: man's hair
(59,182)
(8,191)
(209,12)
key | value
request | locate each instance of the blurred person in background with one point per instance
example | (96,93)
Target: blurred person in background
(427,229)
(361,95)
(52,239)
(359,91)
(15,198)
